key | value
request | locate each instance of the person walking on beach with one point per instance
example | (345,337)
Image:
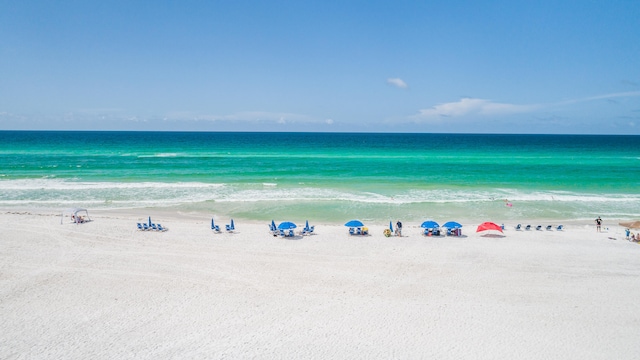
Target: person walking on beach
(398,228)
(598,223)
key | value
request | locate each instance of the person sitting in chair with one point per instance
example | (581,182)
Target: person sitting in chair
(398,228)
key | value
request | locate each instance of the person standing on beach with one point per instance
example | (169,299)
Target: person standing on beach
(398,228)
(598,223)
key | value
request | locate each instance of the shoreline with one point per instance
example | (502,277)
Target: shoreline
(173,215)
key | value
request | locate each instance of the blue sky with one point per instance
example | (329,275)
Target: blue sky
(372,66)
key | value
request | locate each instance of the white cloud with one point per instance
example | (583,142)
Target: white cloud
(471,106)
(602,97)
(397,82)
(250,117)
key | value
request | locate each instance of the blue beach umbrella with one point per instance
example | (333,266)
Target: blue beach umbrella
(429,224)
(149,220)
(306,224)
(452,225)
(390,226)
(212,224)
(354,223)
(286,225)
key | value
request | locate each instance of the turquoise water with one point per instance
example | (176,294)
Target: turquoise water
(325,176)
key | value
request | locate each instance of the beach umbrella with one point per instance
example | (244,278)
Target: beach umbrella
(488,226)
(631,224)
(429,224)
(354,223)
(149,220)
(452,225)
(390,226)
(273,224)
(212,224)
(306,224)
(286,225)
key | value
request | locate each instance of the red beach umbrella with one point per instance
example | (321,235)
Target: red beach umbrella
(488,226)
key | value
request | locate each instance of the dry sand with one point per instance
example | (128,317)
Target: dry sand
(103,290)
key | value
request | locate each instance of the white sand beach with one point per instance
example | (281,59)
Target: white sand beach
(103,290)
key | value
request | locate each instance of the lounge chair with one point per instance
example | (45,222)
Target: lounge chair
(230,227)
(518,227)
(154,227)
(352,231)
(215,227)
(549,227)
(282,233)
(140,227)
(291,233)
(560,227)
(160,228)
(539,227)
(528,227)
(145,226)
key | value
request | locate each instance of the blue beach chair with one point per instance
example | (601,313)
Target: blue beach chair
(560,227)
(549,227)
(528,227)
(518,227)
(160,228)
(214,227)
(231,227)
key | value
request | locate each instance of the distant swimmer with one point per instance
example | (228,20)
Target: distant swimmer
(507,203)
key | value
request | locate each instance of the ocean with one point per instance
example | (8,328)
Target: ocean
(325,177)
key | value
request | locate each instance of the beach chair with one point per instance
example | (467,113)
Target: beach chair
(528,227)
(518,227)
(145,226)
(282,233)
(502,227)
(560,227)
(539,227)
(291,233)
(140,227)
(154,227)
(352,231)
(549,227)
(230,227)
(160,228)
(214,227)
